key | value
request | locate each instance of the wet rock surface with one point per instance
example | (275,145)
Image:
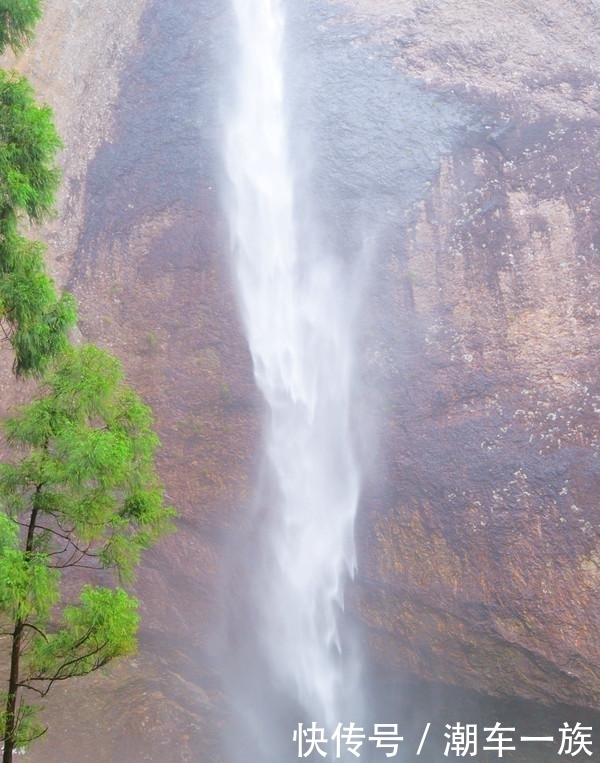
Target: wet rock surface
(479,555)
(480,540)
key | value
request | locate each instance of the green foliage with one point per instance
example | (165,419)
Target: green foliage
(99,628)
(34,319)
(84,492)
(28,587)
(90,461)
(29,177)
(28,727)
(17,20)
(32,316)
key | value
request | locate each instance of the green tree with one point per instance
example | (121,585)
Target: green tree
(32,317)
(29,177)
(17,20)
(84,493)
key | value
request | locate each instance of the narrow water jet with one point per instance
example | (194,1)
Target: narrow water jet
(294,300)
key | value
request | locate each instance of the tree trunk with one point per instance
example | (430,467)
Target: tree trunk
(11,701)
(11,726)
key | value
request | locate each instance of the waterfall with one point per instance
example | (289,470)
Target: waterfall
(293,300)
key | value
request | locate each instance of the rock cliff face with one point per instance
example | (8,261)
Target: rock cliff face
(479,551)
(481,541)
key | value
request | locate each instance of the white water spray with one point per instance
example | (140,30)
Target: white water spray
(298,329)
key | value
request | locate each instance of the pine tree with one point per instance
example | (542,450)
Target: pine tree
(32,317)
(84,493)
(17,20)
(81,490)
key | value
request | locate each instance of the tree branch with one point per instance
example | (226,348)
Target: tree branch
(35,628)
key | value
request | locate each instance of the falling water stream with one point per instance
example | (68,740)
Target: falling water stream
(294,307)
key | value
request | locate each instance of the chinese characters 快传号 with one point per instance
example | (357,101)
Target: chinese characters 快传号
(461,739)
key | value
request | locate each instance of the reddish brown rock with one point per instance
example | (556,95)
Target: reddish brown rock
(480,542)
(479,555)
